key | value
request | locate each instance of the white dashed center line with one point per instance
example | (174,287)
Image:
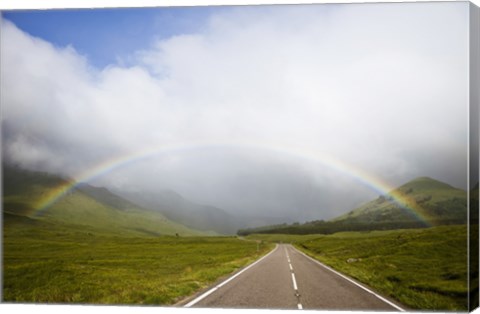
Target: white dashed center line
(294,281)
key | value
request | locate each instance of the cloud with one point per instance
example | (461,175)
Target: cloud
(382,87)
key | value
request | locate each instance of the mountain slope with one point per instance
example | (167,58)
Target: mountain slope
(85,206)
(422,202)
(424,198)
(177,208)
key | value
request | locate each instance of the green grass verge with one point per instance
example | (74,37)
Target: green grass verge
(52,263)
(421,268)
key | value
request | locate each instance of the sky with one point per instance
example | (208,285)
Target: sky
(286,111)
(106,36)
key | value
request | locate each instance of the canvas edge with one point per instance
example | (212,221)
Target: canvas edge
(473,164)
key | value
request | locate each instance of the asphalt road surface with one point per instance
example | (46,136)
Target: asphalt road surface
(288,279)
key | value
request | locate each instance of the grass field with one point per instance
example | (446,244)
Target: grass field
(51,263)
(99,248)
(421,268)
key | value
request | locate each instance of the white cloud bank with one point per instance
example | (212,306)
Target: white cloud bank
(380,86)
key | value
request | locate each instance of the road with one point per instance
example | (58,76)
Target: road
(288,279)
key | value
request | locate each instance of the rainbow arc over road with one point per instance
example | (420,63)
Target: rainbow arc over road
(329,161)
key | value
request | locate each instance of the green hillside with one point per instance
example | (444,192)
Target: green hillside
(85,206)
(425,198)
(196,216)
(94,247)
(423,202)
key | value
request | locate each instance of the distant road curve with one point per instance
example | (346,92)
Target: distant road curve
(288,279)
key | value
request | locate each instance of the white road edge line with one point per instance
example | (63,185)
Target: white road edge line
(355,283)
(206,294)
(294,282)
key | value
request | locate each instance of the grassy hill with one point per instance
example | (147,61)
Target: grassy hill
(420,203)
(196,216)
(435,201)
(85,206)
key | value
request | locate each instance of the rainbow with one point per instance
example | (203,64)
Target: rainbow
(329,161)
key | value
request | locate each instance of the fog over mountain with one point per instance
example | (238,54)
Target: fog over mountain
(262,111)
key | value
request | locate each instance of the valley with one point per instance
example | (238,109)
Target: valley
(420,203)
(93,246)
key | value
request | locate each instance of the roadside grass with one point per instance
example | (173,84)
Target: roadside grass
(421,268)
(53,263)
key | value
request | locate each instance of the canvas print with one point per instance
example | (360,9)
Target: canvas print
(303,157)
